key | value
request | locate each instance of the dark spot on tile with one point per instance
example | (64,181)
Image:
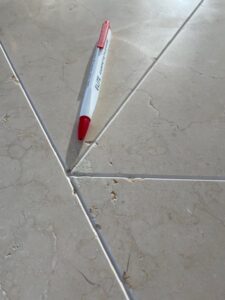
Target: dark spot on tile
(126,278)
(170,216)
(14,78)
(97,226)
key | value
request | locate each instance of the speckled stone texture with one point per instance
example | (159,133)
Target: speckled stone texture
(174,124)
(47,250)
(152,183)
(50,43)
(167,237)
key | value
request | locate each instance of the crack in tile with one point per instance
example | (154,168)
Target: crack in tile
(88,280)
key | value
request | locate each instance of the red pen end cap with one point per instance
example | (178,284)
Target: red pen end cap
(84,122)
(103,34)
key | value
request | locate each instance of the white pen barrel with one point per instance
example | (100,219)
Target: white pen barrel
(95,78)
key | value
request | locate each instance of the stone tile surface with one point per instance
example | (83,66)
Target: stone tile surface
(175,122)
(46,248)
(50,43)
(168,237)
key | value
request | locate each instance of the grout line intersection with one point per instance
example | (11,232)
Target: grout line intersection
(69,176)
(137,85)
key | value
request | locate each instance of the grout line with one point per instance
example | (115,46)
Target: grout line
(76,193)
(80,200)
(33,109)
(111,261)
(149,177)
(138,84)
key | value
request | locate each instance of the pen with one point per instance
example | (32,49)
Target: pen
(91,92)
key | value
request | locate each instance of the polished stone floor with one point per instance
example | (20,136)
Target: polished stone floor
(136,211)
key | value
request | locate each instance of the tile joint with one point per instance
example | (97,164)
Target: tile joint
(154,177)
(76,193)
(137,85)
(33,109)
(68,175)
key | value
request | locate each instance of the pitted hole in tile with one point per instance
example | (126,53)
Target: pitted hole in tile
(113,196)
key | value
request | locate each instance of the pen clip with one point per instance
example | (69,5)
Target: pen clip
(103,34)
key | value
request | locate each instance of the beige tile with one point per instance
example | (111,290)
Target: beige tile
(50,44)
(47,250)
(175,122)
(169,237)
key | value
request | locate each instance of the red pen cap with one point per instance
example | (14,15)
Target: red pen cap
(83,125)
(103,34)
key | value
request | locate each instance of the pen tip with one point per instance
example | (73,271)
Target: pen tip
(84,122)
